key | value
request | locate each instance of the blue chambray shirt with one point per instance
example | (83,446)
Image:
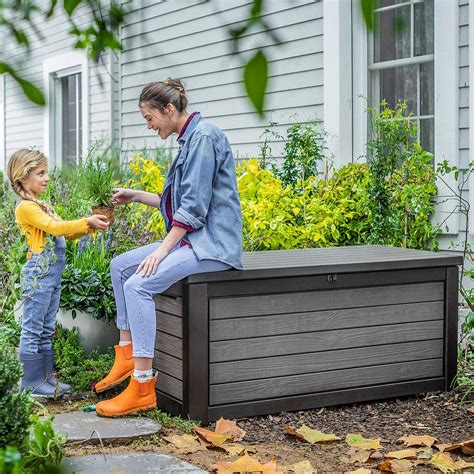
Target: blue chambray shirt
(204,193)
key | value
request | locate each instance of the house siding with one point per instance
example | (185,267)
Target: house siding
(24,125)
(190,40)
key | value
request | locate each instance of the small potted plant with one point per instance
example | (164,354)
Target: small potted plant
(98,182)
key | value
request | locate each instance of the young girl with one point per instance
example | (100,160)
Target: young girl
(41,275)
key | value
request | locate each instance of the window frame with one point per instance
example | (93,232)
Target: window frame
(55,68)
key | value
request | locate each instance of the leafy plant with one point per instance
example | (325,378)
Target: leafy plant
(304,148)
(15,406)
(74,366)
(98,177)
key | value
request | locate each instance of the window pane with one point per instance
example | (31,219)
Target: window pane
(427,89)
(70,133)
(427,134)
(387,3)
(399,83)
(392,36)
(424,24)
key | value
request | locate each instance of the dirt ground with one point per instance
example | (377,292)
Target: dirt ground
(436,414)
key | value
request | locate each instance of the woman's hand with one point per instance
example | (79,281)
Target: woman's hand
(124,195)
(98,222)
(150,264)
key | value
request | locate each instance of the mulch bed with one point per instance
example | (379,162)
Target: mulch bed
(436,414)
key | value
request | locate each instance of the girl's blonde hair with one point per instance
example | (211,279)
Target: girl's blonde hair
(20,165)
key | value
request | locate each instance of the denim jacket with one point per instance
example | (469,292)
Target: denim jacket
(204,193)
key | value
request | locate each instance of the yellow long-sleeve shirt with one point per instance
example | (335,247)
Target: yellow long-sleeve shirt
(36,223)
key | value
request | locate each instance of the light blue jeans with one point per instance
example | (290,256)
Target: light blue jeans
(134,293)
(41,292)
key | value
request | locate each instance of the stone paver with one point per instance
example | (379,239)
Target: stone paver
(80,426)
(133,463)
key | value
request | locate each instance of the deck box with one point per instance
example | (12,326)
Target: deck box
(299,329)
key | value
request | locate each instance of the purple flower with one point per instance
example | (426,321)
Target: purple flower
(103,166)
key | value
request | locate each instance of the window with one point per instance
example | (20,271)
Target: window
(69,125)
(401,61)
(66,112)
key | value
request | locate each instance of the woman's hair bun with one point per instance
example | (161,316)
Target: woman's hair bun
(175,84)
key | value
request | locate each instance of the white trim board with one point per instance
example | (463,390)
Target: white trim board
(471,113)
(446,106)
(75,61)
(337,51)
(3,151)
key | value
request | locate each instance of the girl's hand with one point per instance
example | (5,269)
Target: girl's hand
(123,195)
(98,222)
(150,264)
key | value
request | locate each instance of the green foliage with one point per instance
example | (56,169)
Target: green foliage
(402,187)
(168,420)
(304,148)
(98,177)
(255,80)
(43,447)
(74,366)
(15,407)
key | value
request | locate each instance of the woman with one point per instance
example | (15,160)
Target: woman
(201,208)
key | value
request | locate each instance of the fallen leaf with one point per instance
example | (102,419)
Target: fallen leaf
(461,464)
(444,462)
(186,443)
(303,467)
(290,431)
(237,449)
(467,447)
(396,465)
(211,436)
(314,436)
(359,471)
(358,441)
(446,447)
(246,464)
(426,453)
(229,428)
(412,440)
(402,454)
(471,409)
(359,455)
(376,455)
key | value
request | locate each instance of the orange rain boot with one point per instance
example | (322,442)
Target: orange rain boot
(122,368)
(138,396)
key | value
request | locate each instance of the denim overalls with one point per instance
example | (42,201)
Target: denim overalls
(41,292)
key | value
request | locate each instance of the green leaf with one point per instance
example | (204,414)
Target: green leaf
(367,7)
(70,6)
(29,89)
(256,78)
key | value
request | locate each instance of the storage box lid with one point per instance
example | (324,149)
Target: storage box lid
(301,262)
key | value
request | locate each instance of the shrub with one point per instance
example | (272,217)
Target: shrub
(74,366)
(15,407)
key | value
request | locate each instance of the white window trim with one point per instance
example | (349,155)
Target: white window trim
(3,151)
(471,113)
(445,95)
(337,64)
(75,61)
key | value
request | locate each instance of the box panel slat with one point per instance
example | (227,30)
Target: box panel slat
(164,363)
(335,380)
(170,324)
(170,344)
(170,386)
(251,369)
(246,306)
(239,328)
(323,341)
(169,304)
